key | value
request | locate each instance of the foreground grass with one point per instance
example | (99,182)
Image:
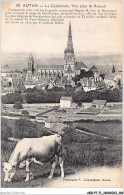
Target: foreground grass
(88,150)
(80,150)
(112,129)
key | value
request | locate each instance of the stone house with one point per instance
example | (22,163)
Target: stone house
(65,102)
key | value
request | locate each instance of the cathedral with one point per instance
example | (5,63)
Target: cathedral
(69,69)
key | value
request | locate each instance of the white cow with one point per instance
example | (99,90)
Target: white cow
(38,150)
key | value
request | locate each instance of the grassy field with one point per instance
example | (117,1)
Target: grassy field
(80,150)
(108,128)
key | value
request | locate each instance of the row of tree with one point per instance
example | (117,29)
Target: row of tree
(54,95)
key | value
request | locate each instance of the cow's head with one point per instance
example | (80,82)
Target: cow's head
(9,171)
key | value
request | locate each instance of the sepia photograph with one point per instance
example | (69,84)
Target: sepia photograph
(61,94)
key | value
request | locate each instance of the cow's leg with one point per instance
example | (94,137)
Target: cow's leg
(61,166)
(29,175)
(37,162)
(53,168)
(27,170)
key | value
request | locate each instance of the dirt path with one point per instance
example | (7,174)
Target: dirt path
(93,134)
(103,177)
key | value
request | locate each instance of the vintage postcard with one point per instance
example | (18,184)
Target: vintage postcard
(61,96)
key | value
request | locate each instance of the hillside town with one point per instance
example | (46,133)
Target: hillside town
(70,91)
(71,72)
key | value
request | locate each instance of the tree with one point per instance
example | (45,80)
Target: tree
(56,89)
(79,84)
(119,83)
(113,69)
(33,90)
(17,105)
(90,73)
(25,128)
(85,74)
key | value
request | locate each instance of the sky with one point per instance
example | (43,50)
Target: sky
(100,36)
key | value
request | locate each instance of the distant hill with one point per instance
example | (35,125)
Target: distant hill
(19,61)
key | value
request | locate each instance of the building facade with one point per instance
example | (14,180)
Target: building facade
(65,102)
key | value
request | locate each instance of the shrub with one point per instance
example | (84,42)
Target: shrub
(11,98)
(24,128)
(25,112)
(17,105)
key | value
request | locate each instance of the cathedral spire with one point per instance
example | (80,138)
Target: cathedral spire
(69,33)
(69,42)
(30,63)
(69,56)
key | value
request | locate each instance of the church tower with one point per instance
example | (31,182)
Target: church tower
(69,57)
(30,69)
(30,63)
